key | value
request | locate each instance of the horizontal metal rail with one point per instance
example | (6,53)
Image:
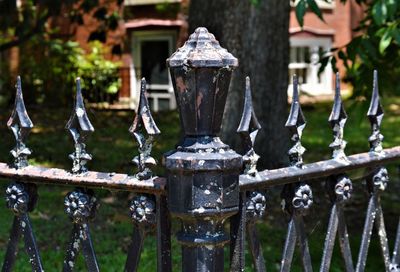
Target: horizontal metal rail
(156,185)
(269,178)
(111,181)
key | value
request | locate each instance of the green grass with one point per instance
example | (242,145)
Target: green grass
(113,149)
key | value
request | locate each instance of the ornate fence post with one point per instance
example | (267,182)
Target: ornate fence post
(203,172)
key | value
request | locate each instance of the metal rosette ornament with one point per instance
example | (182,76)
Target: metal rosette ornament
(377,180)
(297,201)
(143,211)
(340,188)
(21,198)
(256,204)
(80,205)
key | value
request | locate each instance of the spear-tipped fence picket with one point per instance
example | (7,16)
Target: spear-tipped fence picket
(206,181)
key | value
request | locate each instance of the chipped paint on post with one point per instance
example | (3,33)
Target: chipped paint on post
(203,172)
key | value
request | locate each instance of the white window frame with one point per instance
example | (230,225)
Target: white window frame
(325,85)
(137,38)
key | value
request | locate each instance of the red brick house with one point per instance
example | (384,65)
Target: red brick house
(316,37)
(151,30)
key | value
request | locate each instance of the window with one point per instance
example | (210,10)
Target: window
(150,51)
(304,62)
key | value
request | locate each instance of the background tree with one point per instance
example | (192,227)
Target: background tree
(256,32)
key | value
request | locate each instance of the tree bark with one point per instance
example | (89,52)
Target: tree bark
(257,34)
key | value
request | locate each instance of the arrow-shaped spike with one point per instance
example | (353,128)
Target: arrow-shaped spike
(375,116)
(20,124)
(80,127)
(296,123)
(248,129)
(337,120)
(375,111)
(79,124)
(144,119)
(296,119)
(338,113)
(19,113)
(143,116)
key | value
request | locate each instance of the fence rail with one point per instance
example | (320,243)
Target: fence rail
(207,183)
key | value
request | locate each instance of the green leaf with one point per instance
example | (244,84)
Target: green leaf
(391,8)
(385,41)
(370,48)
(315,9)
(396,35)
(333,64)
(342,56)
(379,12)
(301,8)
(324,62)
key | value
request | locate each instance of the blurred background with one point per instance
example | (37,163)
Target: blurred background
(111,45)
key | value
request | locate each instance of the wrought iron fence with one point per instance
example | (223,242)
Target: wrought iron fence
(207,183)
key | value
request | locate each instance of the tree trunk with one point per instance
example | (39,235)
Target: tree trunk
(257,34)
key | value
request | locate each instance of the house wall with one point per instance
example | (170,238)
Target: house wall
(340,20)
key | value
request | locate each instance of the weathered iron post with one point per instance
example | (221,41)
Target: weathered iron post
(203,172)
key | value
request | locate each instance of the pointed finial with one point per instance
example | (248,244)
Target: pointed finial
(337,120)
(296,124)
(20,124)
(375,116)
(248,129)
(144,119)
(80,127)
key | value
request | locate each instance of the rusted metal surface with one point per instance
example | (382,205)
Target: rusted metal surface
(110,181)
(269,178)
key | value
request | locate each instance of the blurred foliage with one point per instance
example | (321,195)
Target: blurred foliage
(36,18)
(377,46)
(48,62)
(48,70)
(100,76)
